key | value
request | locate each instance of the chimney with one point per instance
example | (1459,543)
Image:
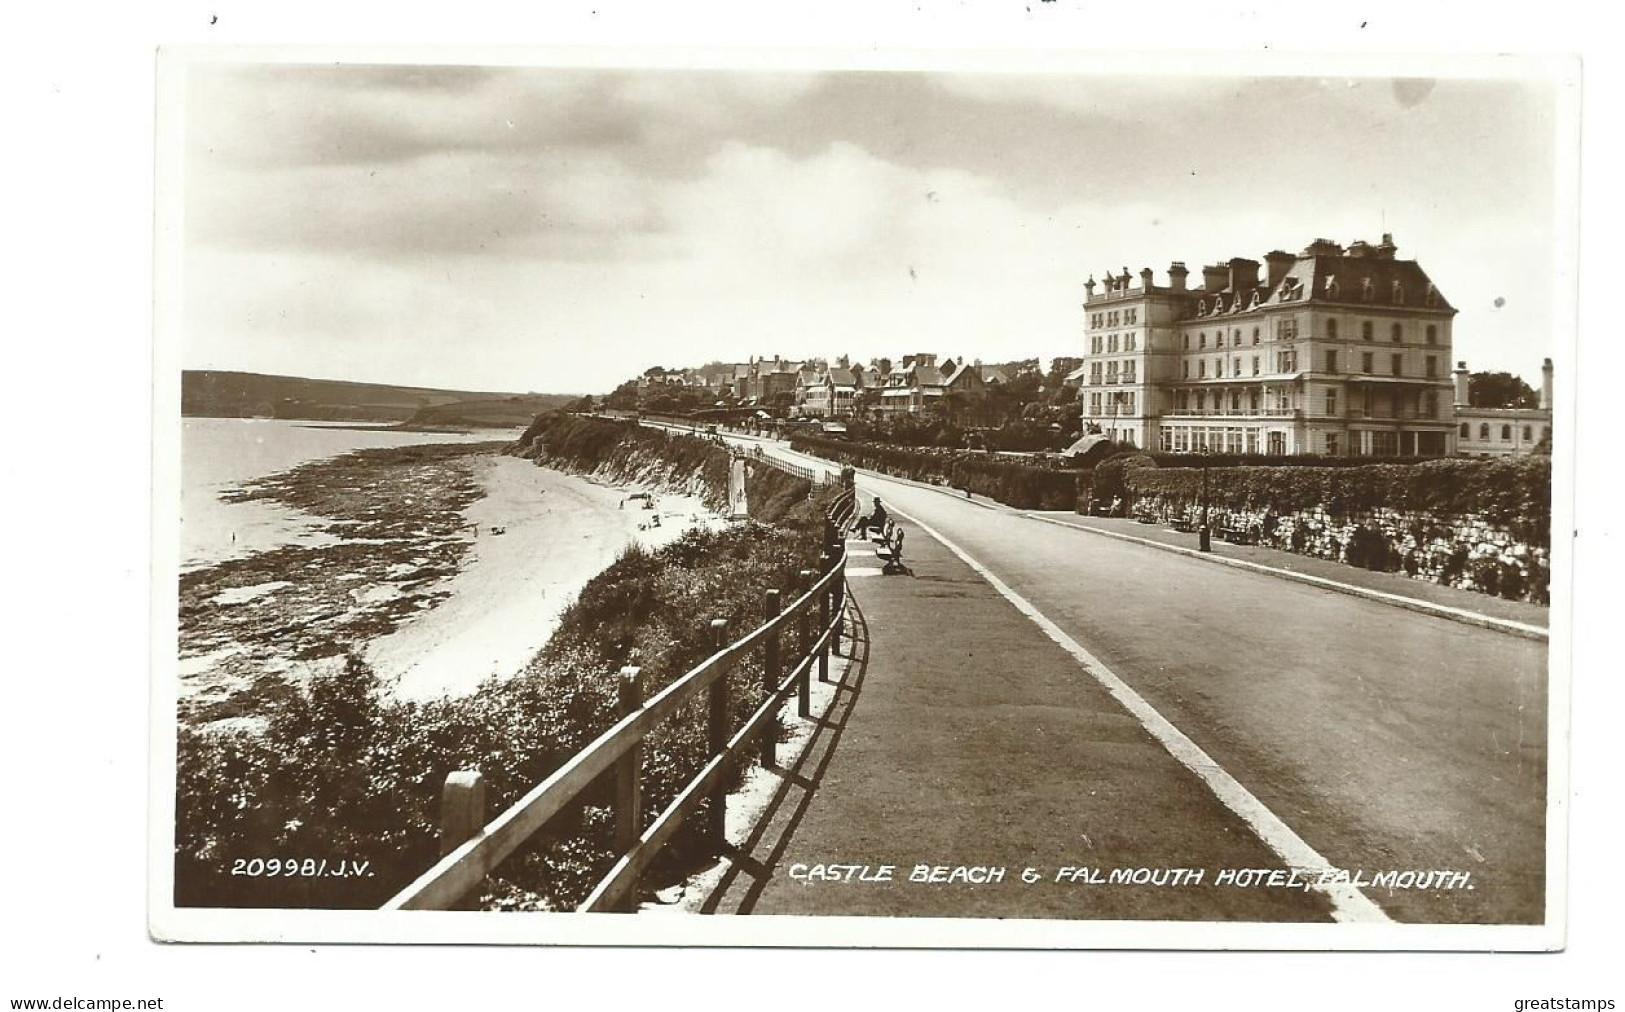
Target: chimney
(1214,277)
(1461,385)
(1089,287)
(1243,274)
(1145,279)
(1386,249)
(1360,248)
(1323,248)
(1176,275)
(1546,385)
(1279,263)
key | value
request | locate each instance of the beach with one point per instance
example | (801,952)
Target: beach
(439,566)
(559,531)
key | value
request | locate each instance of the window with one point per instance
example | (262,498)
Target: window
(1255,365)
(1201,339)
(1433,333)
(1331,361)
(1235,367)
(1396,332)
(1255,336)
(1331,329)
(1331,400)
(1395,361)
(1128,342)
(1366,330)
(1332,445)
(1433,295)
(1286,329)
(1430,404)
(1218,367)
(1094,403)
(1185,369)
(1187,342)
(1433,365)
(1366,365)
(1528,433)
(1218,339)
(1506,433)
(1201,369)
(1484,431)
(1466,431)
(1399,293)
(1368,291)
(1201,400)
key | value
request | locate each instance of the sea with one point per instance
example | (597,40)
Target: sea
(221,454)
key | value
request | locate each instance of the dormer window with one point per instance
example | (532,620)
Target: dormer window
(1368,291)
(1399,294)
(1432,296)
(1331,286)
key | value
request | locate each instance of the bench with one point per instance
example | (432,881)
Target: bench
(892,551)
(1239,535)
(1185,525)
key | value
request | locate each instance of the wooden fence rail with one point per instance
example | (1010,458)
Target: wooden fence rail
(473,847)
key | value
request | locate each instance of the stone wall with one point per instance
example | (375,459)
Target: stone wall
(1456,550)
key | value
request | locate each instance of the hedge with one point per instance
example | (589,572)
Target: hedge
(1513,493)
(1023,486)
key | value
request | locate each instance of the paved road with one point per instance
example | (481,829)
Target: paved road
(1386,739)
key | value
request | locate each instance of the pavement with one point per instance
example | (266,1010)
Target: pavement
(1038,695)
(964,739)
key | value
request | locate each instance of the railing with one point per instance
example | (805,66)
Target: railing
(818,476)
(472,847)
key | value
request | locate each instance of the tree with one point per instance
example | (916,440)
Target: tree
(1499,390)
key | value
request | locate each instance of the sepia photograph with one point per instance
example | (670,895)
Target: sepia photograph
(655,498)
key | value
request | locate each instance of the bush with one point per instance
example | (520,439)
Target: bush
(1511,493)
(1022,485)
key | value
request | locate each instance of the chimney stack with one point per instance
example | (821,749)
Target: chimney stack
(1546,385)
(1176,275)
(1279,263)
(1461,385)
(1386,249)
(1243,274)
(1145,279)
(1213,277)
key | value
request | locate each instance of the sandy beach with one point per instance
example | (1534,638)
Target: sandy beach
(559,531)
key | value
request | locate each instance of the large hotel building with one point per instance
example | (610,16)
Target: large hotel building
(1330,351)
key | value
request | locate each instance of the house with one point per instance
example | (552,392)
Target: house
(1331,351)
(914,387)
(1502,432)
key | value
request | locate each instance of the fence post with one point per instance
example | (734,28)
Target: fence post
(718,727)
(823,623)
(629,783)
(804,621)
(462,816)
(837,593)
(772,673)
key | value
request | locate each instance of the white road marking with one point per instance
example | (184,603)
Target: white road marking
(1348,903)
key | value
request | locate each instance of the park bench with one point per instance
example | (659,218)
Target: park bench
(892,551)
(1238,534)
(1185,525)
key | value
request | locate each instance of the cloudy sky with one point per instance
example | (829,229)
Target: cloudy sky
(563,229)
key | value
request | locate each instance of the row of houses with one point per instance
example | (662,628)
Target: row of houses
(813,388)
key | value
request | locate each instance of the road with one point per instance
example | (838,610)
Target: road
(1388,740)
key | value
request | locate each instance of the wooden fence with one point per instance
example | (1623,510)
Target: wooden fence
(472,847)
